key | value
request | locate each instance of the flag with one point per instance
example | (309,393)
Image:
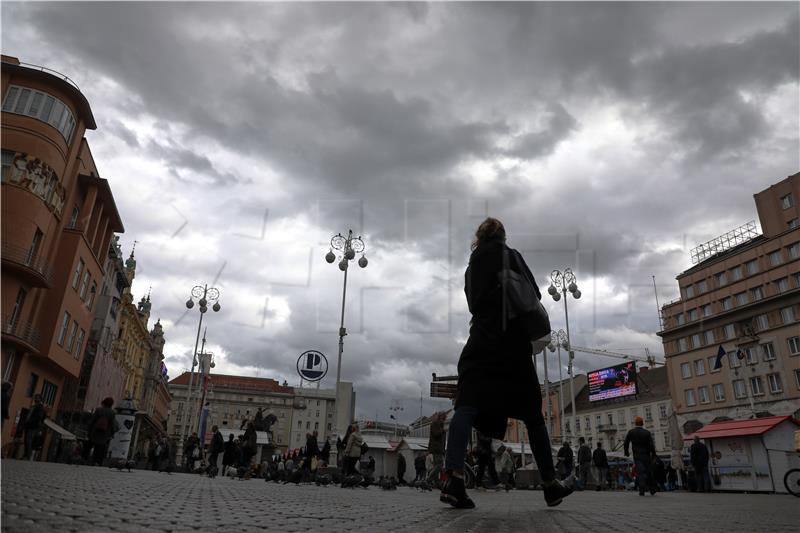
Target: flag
(720,355)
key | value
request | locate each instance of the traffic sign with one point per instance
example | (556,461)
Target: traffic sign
(312,365)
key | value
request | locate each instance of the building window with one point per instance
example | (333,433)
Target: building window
(84,284)
(690,398)
(692,315)
(587,421)
(699,367)
(49,393)
(787,201)
(730,331)
(16,311)
(33,251)
(679,318)
(686,370)
(739,389)
(794,223)
(92,294)
(662,410)
(696,340)
(683,344)
(736,273)
(722,278)
(711,361)
(782,285)
(727,304)
(63,331)
(757,293)
(76,277)
(634,414)
(794,345)
(621,418)
(40,106)
(794,250)
(299,424)
(707,310)
(77,353)
(752,266)
(768,350)
(329,427)
(787,315)
(719,392)
(741,298)
(709,335)
(775,258)
(308,424)
(775,385)
(733,359)
(689,291)
(751,358)
(577,425)
(703,393)
(756,387)
(610,418)
(702,286)
(762,322)
(648,413)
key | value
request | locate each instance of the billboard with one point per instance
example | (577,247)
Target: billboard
(613,382)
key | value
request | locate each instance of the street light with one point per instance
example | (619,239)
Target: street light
(396,407)
(348,247)
(558,339)
(563,282)
(204,295)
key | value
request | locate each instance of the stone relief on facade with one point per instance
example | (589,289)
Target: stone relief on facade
(38,177)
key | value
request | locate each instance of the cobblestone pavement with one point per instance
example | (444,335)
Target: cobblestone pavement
(57,497)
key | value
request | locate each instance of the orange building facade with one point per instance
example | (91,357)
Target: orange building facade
(58,220)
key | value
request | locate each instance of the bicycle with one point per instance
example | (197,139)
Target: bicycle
(792,481)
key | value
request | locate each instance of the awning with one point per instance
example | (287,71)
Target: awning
(65,435)
(739,428)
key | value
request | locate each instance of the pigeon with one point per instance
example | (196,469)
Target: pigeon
(351,481)
(323,480)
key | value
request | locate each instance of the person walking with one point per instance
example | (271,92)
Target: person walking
(34,426)
(496,376)
(371,466)
(352,451)
(249,446)
(584,463)
(216,447)
(506,468)
(698,456)
(644,450)
(7,387)
(485,462)
(102,427)
(191,451)
(436,445)
(672,477)
(419,467)
(229,454)
(164,455)
(401,469)
(600,460)
(565,460)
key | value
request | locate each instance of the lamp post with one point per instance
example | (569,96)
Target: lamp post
(348,247)
(557,340)
(204,294)
(561,283)
(395,408)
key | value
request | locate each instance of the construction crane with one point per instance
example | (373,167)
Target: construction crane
(649,359)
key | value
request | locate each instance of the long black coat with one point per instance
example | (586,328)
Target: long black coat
(495,372)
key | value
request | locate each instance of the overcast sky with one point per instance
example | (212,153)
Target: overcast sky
(238,138)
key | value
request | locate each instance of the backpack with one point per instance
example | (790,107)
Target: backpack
(364,448)
(101,424)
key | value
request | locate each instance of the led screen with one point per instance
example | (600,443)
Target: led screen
(613,382)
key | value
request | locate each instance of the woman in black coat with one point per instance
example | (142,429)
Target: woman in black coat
(496,376)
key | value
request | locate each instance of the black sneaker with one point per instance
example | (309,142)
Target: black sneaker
(556,492)
(454,493)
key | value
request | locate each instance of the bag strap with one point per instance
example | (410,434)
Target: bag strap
(504,285)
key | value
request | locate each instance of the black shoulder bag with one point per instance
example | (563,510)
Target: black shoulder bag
(520,301)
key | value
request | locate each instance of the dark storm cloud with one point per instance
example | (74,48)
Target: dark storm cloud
(595,131)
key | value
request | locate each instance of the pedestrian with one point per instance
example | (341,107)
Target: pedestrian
(659,473)
(565,460)
(584,463)
(164,455)
(229,454)
(485,462)
(311,455)
(371,466)
(436,445)
(7,387)
(644,450)
(600,460)
(325,452)
(672,477)
(34,426)
(102,427)
(216,447)
(352,452)
(698,456)
(192,451)
(401,469)
(419,467)
(496,376)
(505,468)
(249,445)
(153,452)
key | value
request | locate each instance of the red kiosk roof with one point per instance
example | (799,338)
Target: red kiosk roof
(739,428)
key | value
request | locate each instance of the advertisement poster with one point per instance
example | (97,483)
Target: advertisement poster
(121,443)
(612,382)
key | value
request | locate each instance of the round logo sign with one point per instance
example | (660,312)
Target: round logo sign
(312,365)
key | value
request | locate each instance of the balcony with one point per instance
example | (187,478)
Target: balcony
(606,428)
(33,271)
(23,335)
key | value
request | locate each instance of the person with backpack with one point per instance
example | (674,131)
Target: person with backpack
(497,379)
(102,427)
(34,425)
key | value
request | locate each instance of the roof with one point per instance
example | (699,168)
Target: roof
(237,382)
(652,387)
(740,428)
(109,205)
(415,444)
(378,442)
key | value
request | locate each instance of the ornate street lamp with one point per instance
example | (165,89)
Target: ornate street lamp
(558,339)
(562,283)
